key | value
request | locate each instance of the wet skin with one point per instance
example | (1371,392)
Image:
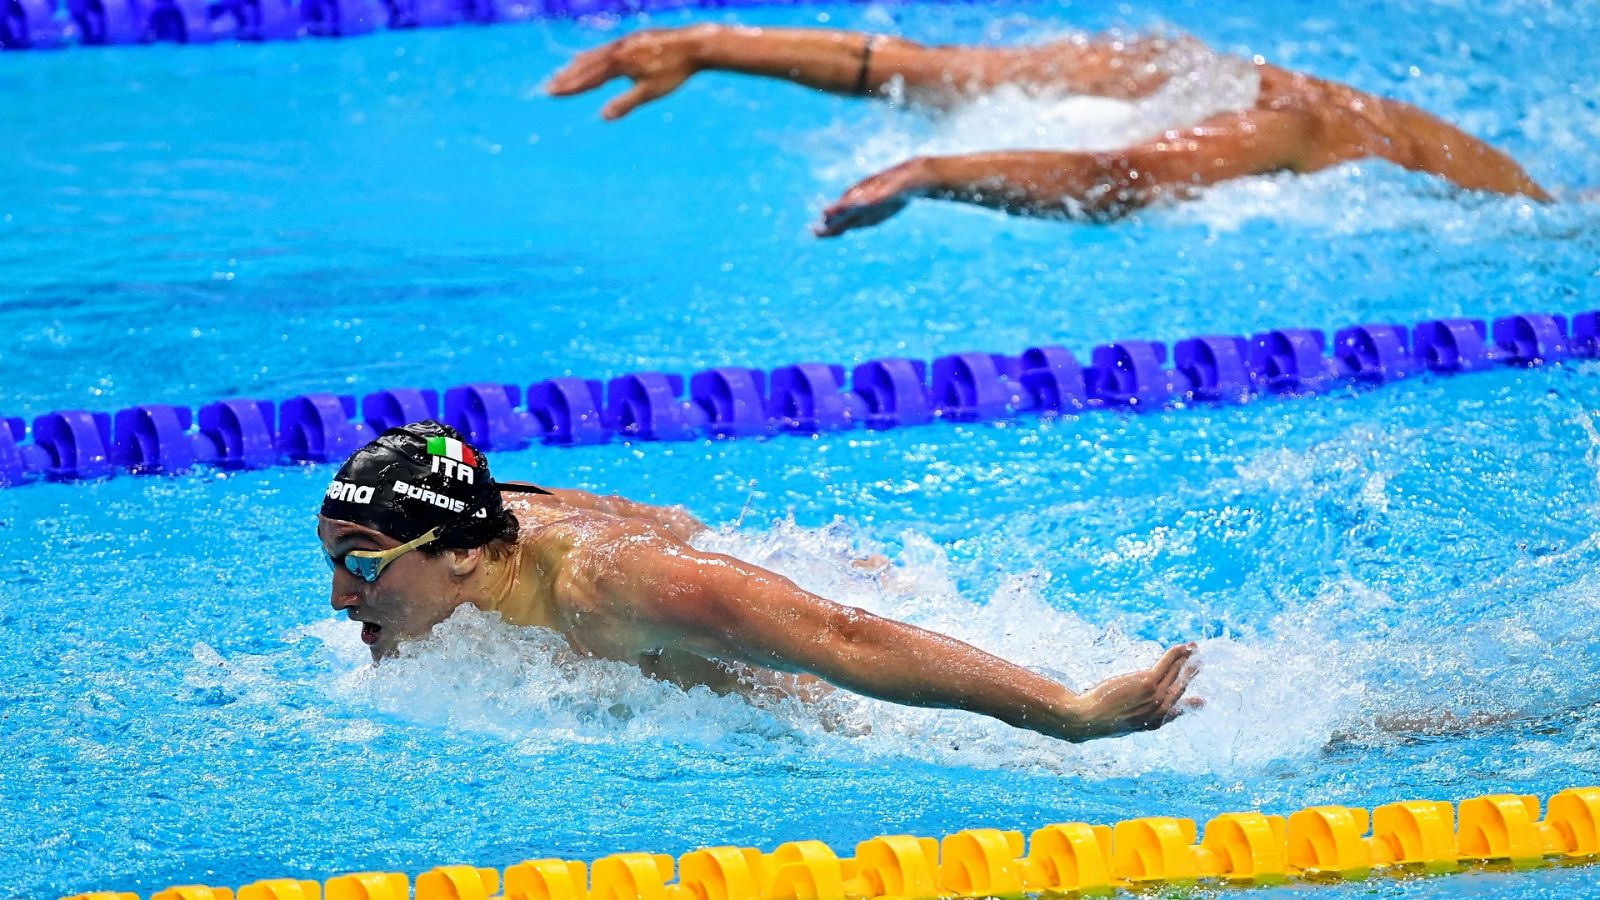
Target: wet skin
(619,580)
(414,593)
(1299,123)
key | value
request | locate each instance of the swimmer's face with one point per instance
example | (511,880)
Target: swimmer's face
(414,593)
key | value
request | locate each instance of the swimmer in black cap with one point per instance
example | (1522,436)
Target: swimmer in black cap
(414,526)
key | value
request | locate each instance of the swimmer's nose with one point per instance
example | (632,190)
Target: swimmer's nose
(343,599)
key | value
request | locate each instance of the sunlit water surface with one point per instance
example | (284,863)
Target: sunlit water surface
(180,224)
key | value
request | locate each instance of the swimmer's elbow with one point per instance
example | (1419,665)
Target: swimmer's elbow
(854,645)
(851,629)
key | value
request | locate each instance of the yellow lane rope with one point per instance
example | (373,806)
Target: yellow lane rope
(1243,849)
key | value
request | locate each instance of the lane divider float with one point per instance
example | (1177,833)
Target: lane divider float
(805,398)
(46,25)
(1501,831)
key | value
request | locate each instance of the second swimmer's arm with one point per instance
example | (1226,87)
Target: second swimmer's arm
(659,60)
(728,609)
(1092,185)
(858,63)
(841,62)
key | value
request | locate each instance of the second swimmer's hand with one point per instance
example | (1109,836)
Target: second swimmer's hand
(1139,701)
(657,60)
(875,199)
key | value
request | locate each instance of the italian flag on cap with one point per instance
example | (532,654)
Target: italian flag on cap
(452,449)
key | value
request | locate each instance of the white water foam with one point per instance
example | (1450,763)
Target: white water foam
(1374,196)
(1202,83)
(1265,701)
(1345,661)
(1350,199)
(1498,649)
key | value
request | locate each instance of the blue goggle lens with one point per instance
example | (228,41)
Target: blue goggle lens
(364,568)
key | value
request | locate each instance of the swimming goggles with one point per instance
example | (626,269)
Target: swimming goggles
(367,565)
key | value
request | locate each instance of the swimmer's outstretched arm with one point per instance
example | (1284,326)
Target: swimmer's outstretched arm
(853,64)
(670,595)
(1426,143)
(1099,186)
(1093,186)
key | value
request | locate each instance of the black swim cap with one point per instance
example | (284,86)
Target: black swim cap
(418,477)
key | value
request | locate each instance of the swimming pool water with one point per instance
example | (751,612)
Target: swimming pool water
(180,224)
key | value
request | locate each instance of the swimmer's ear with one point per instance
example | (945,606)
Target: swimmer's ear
(463,562)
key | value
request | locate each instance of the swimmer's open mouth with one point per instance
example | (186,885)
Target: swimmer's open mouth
(369,633)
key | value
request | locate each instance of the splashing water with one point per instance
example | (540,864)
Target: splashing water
(1394,591)
(1283,697)
(1350,199)
(1200,84)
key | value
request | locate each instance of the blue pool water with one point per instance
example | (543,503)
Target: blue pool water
(180,224)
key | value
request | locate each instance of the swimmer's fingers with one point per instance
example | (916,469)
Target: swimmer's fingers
(587,71)
(1173,703)
(844,216)
(1175,670)
(1165,683)
(872,200)
(657,61)
(642,92)
(1171,665)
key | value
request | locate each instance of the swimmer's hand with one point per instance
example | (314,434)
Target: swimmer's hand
(1140,701)
(875,199)
(657,60)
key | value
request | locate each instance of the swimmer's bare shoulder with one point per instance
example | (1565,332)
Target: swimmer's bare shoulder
(675,519)
(569,541)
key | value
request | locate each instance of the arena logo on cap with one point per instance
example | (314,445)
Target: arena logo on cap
(426,496)
(453,458)
(350,493)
